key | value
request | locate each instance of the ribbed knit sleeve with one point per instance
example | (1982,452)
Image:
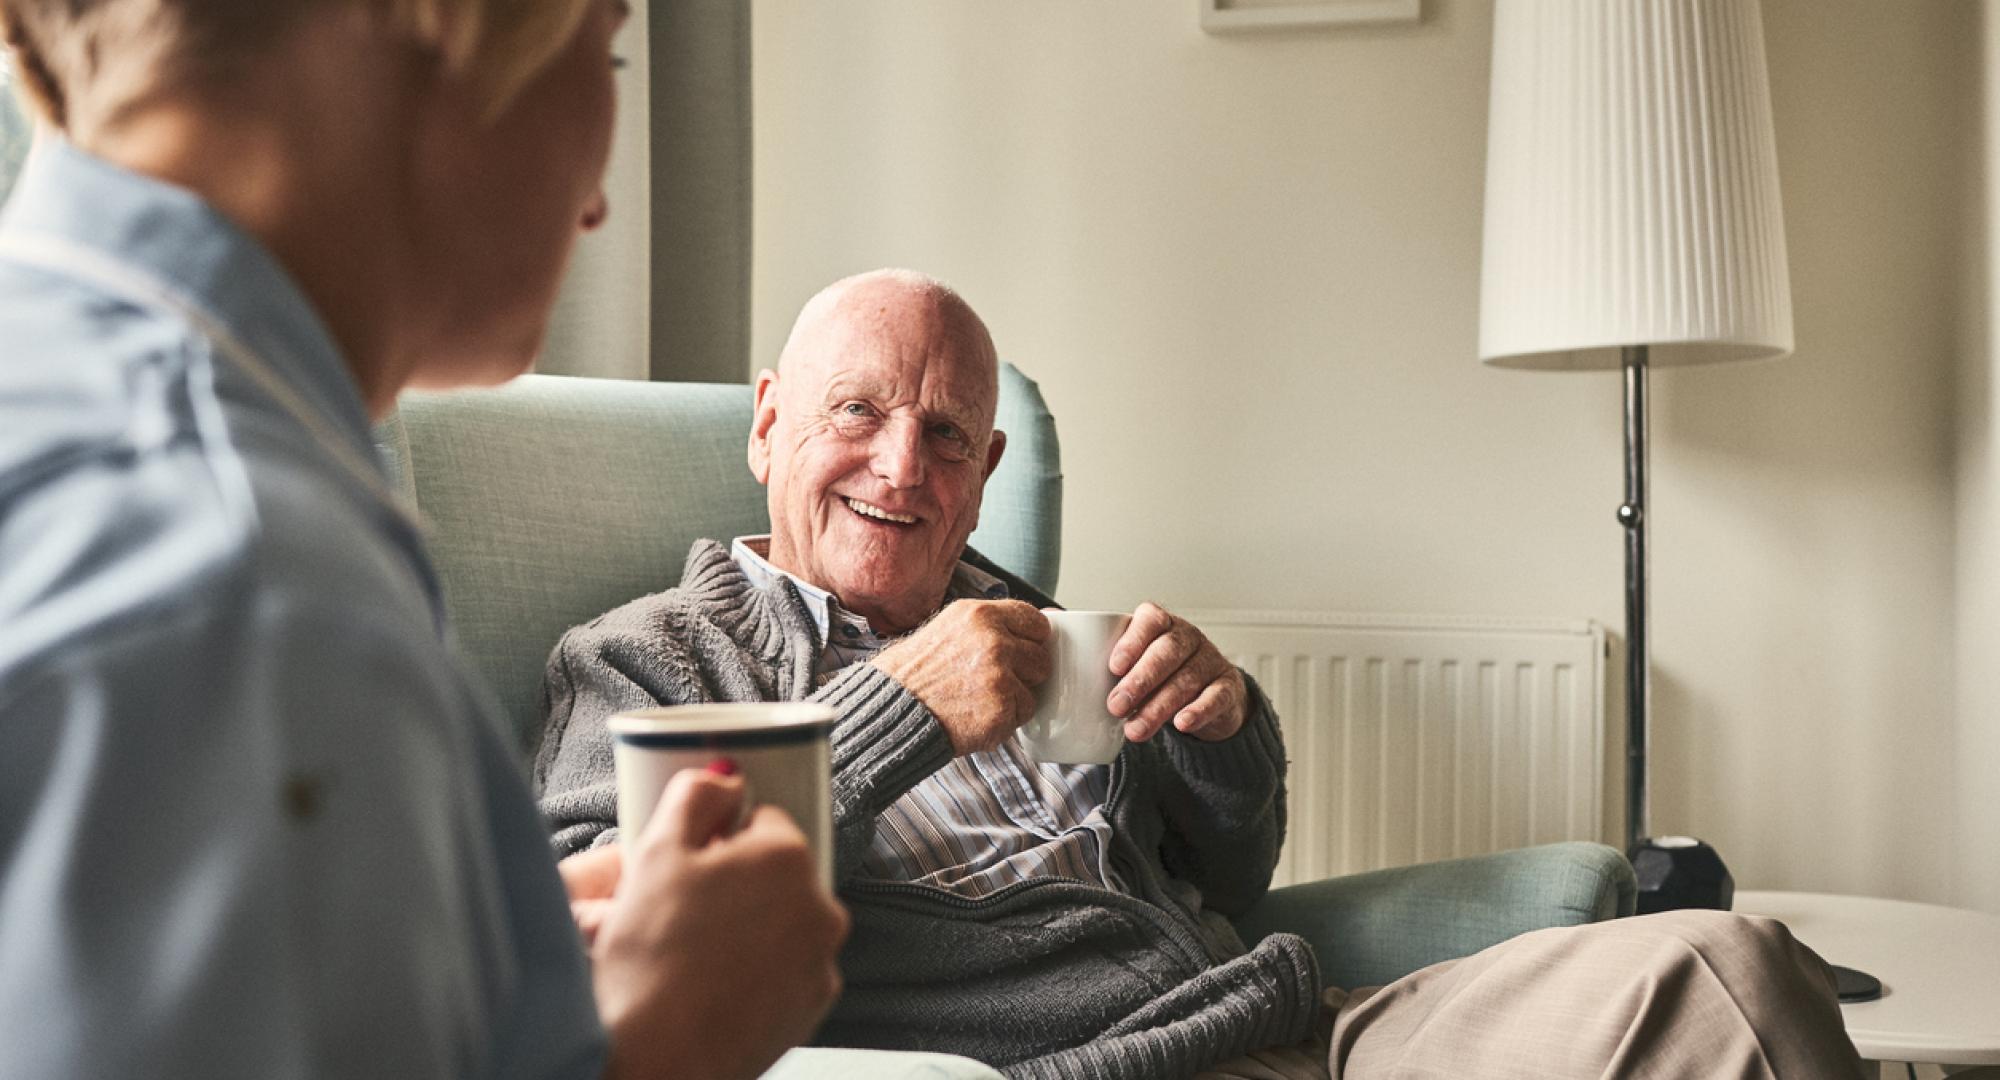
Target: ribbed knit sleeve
(1224,808)
(885,743)
(617,662)
(713,638)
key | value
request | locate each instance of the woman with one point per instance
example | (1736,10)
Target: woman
(224,687)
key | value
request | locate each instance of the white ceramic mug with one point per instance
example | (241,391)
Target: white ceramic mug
(780,749)
(1072,725)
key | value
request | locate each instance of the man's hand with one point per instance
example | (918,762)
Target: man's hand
(1169,670)
(590,878)
(712,954)
(975,666)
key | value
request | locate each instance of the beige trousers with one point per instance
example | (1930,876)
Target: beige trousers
(1685,994)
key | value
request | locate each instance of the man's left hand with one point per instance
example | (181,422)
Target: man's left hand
(1169,671)
(591,877)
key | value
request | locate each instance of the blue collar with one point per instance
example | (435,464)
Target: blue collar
(173,236)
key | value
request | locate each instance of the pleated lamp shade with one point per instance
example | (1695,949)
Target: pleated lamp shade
(1631,186)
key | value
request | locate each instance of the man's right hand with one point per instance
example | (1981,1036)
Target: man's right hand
(716,952)
(975,666)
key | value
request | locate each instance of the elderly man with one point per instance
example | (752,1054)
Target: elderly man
(1071,920)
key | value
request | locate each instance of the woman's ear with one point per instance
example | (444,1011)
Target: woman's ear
(38,84)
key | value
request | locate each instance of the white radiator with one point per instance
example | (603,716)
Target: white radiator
(1419,738)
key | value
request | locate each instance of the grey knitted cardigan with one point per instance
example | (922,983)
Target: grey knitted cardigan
(1045,978)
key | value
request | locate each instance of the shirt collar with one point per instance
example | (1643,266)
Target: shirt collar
(174,237)
(969,582)
(751,553)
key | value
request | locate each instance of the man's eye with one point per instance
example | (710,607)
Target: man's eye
(854,408)
(951,443)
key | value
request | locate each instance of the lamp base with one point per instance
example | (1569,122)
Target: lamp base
(1677,872)
(1680,872)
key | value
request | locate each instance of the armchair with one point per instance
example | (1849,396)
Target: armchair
(554,499)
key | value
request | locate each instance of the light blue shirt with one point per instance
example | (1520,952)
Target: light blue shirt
(255,821)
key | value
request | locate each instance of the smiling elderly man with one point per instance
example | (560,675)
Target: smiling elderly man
(1071,920)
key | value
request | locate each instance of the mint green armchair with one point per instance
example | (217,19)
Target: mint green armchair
(551,500)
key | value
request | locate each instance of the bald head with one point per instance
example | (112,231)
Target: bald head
(887,302)
(875,437)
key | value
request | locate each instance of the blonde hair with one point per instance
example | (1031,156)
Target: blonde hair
(103,54)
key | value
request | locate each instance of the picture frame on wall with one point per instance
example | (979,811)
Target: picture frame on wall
(1235,16)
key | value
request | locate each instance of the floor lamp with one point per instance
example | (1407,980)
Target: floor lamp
(1633,222)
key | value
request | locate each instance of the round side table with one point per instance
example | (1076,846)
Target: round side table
(1939,966)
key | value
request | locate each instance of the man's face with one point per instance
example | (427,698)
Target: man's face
(875,440)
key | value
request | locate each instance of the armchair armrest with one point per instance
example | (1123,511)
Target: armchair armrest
(1371,929)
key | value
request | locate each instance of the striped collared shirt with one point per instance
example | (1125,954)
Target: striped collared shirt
(986,820)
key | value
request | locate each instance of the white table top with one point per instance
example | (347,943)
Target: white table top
(1939,966)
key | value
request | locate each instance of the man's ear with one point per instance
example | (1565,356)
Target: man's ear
(764,406)
(993,450)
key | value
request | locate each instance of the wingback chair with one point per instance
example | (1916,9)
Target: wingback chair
(551,500)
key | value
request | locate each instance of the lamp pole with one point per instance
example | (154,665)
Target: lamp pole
(1638,662)
(1673,871)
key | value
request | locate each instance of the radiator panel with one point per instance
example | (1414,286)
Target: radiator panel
(1420,738)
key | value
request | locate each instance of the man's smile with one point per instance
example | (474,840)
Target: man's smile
(876,513)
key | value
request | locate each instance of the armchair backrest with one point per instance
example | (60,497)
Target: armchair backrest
(552,500)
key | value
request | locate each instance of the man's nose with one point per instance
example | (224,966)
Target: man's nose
(899,453)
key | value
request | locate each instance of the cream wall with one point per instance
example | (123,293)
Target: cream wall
(1245,271)
(1979,481)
